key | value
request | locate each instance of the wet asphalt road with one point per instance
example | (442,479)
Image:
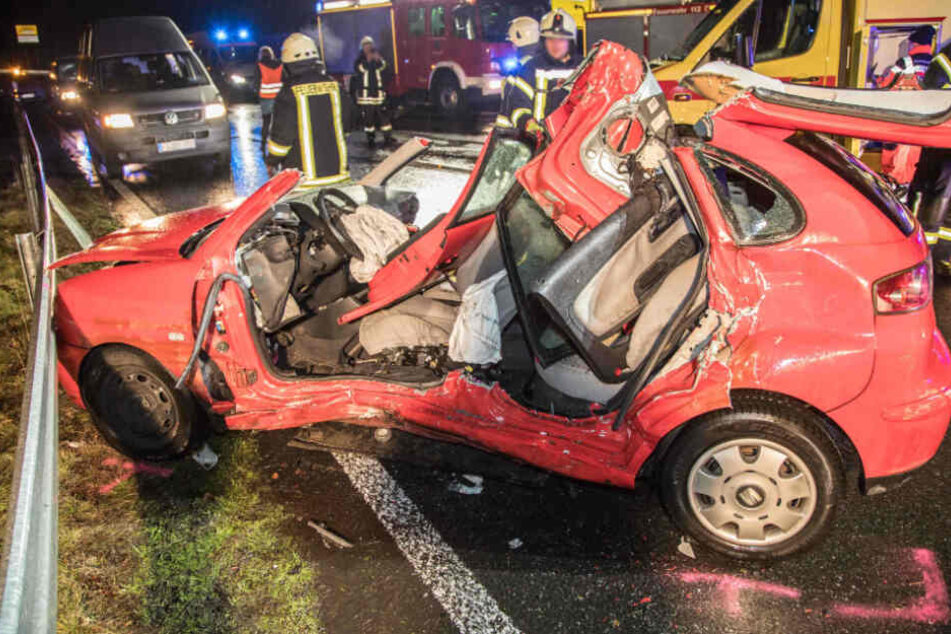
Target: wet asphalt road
(592,558)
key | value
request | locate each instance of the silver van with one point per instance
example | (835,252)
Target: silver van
(146,97)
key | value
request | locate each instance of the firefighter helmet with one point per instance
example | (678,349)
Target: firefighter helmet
(559,24)
(298,48)
(367,40)
(523,31)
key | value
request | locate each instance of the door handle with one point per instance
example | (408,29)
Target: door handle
(804,80)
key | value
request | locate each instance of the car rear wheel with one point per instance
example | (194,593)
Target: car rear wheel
(759,481)
(135,406)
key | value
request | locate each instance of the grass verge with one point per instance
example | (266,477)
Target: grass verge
(150,548)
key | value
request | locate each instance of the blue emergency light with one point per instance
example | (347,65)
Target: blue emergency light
(243,34)
(509,64)
(221,35)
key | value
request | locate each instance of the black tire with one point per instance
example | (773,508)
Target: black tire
(135,406)
(447,95)
(223,163)
(751,493)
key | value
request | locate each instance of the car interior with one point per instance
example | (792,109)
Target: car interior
(566,347)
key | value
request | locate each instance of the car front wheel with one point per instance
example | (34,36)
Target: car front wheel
(135,406)
(759,481)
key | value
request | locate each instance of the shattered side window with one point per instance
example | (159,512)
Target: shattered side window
(758,210)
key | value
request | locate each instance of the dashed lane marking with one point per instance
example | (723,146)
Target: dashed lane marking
(468,604)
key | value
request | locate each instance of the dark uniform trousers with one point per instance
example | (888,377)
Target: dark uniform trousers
(930,193)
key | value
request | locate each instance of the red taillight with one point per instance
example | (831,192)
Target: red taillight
(904,291)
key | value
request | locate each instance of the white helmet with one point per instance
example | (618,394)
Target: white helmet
(298,48)
(367,40)
(559,24)
(523,31)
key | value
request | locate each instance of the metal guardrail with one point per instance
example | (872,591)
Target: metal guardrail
(29,564)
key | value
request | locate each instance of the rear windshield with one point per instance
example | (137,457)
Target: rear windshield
(66,70)
(143,73)
(497,14)
(856,174)
(242,54)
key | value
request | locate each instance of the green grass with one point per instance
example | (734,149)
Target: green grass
(199,551)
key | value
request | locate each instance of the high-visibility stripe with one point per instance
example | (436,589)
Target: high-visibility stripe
(931,238)
(338,128)
(522,85)
(518,113)
(541,96)
(944,233)
(942,60)
(309,183)
(503,121)
(305,136)
(369,128)
(277,149)
(387,127)
(370,101)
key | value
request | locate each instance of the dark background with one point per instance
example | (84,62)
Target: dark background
(60,21)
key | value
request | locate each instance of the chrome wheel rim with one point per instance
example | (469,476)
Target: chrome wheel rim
(751,492)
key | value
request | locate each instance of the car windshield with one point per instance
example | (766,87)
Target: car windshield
(496,16)
(505,155)
(701,30)
(242,54)
(143,73)
(66,70)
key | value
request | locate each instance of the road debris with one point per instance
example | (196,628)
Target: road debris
(467,484)
(329,535)
(205,457)
(686,548)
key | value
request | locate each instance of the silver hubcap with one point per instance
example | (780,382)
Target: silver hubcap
(751,492)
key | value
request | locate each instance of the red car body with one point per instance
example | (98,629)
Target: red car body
(799,315)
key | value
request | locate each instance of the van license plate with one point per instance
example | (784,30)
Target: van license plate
(176,146)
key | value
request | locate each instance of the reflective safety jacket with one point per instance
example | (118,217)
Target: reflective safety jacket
(938,75)
(369,81)
(535,91)
(269,79)
(915,64)
(308,127)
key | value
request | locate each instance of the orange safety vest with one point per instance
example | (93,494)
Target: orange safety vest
(270,81)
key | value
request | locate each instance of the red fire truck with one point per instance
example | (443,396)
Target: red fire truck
(448,52)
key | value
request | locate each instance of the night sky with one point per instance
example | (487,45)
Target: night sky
(60,21)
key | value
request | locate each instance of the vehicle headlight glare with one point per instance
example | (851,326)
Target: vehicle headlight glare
(238,79)
(215,110)
(120,120)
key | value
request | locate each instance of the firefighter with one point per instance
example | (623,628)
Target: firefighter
(371,97)
(523,34)
(538,90)
(930,193)
(913,65)
(308,127)
(269,84)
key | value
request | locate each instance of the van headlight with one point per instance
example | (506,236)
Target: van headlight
(69,95)
(119,120)
(238,80)
(215,110)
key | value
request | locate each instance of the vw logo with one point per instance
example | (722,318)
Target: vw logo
(171,118)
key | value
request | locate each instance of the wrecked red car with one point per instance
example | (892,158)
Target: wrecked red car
(744,314)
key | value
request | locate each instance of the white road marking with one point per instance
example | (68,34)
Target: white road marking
(466,601)
(140,210)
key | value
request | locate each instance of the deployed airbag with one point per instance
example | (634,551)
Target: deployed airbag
(375,233)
